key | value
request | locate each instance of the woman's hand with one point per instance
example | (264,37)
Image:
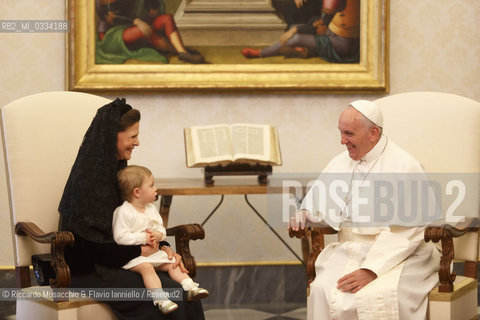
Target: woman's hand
(288,35)
(178,259)
(143,26)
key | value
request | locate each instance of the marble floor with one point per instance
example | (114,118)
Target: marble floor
(242,312)
(233,312)
(256,295)
(266,311)
(243,293)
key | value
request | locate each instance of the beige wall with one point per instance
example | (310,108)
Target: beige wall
(434,46)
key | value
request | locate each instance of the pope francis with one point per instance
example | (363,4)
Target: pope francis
(379,268)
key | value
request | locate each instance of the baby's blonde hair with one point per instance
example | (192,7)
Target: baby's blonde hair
(131,177)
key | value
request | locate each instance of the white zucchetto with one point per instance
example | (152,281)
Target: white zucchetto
(370,110)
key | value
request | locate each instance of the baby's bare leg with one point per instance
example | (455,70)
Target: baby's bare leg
(193,291)
(153,283)
(176,274)
(149,276)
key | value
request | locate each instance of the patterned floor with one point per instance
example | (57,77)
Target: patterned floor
(256,312)
(245,312)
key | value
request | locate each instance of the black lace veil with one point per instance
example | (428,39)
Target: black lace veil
(91,193)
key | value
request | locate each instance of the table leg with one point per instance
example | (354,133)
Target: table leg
(303,261)
(213,211)
(165,202)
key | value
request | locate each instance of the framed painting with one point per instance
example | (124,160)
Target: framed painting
(284,46)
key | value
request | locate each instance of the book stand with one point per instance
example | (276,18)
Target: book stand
(238,169)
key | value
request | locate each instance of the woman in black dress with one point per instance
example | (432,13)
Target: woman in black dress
(86,208)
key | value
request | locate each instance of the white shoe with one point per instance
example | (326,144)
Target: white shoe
(196,294)
(167,306)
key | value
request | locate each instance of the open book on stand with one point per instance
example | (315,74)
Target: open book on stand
(224,144)
(232,149)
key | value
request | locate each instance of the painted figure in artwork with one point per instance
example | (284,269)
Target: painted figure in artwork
(138,29)
(333,36)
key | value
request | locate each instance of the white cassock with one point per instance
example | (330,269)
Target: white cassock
(394,249)
(129,228)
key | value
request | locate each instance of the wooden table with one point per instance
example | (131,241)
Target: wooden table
(167,188)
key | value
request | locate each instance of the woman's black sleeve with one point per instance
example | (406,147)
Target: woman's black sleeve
(163,243)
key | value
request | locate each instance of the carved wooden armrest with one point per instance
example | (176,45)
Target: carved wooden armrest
(445,233)
(58,240)
(315,232)
(183,234)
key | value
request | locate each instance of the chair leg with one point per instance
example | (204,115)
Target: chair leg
(22,276)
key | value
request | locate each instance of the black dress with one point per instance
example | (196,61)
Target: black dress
(86,209)
(94,275)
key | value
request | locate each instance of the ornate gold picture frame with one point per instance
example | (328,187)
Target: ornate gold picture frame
(370,75)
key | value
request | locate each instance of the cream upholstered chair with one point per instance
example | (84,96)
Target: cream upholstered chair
(41,136)
(442,131)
